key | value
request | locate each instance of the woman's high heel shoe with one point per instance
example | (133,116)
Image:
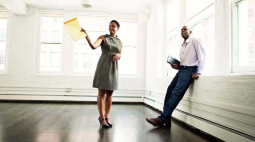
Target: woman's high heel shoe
(109,124)
(102,125)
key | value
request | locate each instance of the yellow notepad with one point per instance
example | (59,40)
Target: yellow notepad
(74,29)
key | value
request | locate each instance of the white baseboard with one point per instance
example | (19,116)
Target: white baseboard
(65,94)
(212,129)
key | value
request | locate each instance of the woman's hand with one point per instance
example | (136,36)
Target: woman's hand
(116,57)
(82,30)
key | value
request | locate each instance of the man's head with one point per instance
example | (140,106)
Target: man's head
(185,32)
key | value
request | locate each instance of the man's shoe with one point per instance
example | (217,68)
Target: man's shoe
(157,122)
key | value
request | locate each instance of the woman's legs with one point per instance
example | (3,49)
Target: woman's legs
(101,103)
(108,104)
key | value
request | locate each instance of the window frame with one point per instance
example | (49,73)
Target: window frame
(138,50)
(200,17)
(38,42)
(6,70)
(170,35)
(237,69)
(76,14)
(67,45)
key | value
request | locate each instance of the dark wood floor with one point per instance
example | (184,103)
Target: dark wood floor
(68,122)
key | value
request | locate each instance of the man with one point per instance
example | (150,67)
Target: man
(192,58)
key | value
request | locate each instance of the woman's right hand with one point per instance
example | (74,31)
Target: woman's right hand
(82,30)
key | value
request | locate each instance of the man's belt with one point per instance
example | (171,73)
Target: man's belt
(188,66)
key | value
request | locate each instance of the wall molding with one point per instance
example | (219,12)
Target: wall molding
(241,120)
(205,125)
(65,94)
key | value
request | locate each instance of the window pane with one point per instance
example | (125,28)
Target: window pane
(205,30)
(244,53)
(54,59)
(93,23)
(173,50)
(3,35)
(85,59)
(128,35)
(173,10)
(193,7)
(127,63)
(51,38)
(50,57)
(43,59)
(75,61)
(51,31)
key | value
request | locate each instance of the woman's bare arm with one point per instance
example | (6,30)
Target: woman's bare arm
(96,44)
(117,56)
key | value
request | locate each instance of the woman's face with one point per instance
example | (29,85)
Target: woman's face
(113,28)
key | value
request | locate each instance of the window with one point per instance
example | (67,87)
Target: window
(194,7)
(87,57)
(203,28)
(43,59)
(84,58)
(251,13)
(75,61)
(54,60)
(51,43)
(251,48)
(3,39)
(173,16)
(2,60)
(173,49)
(244,58)
(173,35)
(77,58)
(128,35)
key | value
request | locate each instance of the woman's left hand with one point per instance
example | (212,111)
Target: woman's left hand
(116,57)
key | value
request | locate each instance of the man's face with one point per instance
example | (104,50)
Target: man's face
(185,32)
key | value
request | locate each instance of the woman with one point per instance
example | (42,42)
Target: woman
(106,75)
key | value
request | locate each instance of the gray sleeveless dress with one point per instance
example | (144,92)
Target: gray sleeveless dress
(106,75)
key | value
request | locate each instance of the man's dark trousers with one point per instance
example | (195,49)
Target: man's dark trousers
(176,91)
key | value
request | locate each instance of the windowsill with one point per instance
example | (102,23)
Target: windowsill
(240,74)
(213,75)
(81,75)
(52,75)
(4,74)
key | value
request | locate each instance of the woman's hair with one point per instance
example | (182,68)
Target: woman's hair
(116,22)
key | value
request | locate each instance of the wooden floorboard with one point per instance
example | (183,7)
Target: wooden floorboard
(70,122)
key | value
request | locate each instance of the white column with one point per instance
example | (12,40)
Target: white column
(222,37)
(141,44)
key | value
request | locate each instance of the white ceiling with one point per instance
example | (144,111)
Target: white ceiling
(119,6)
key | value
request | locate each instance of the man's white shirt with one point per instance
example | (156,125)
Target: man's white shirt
(192,53)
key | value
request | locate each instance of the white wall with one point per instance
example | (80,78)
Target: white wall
(21,83)
(224,99)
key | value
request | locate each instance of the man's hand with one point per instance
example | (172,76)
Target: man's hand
(195,76)
(175,66)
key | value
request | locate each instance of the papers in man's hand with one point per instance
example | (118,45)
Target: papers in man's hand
(74,29)
(171,60)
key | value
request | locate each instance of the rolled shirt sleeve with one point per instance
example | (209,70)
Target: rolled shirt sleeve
(201,55)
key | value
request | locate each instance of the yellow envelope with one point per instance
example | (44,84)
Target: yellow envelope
(74,29)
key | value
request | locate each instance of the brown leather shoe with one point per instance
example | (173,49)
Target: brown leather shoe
(157,122)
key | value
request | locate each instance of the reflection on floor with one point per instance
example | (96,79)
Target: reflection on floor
(69,122)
